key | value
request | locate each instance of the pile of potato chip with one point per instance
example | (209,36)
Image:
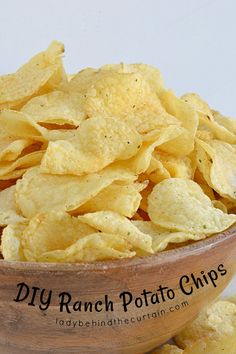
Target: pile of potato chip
(108,163)
(213,332)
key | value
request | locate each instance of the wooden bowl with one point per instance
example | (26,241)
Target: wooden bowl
(178,283)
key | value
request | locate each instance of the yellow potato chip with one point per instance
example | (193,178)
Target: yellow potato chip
(125,95)
(97,143)
(11,247)
(157,138)
(150,73)
(188,118)
(217,319)
(208,191)
(37,192)
(209,127)
(113,223)
(42,73)
(217,131)
(52,231)
(226,122)
(56,107)
(156,171)
(217,162)
(20,125)
(123,199)
(12,176)
(168,349)
(95,247)
(11,148)
(162,237)
(218,204)
(176,166)
(9,214)
(199,104)
(180,204)
(25,161)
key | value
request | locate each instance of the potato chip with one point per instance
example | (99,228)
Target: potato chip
(56,107)
(123,199)
(199,104)
(12,176)
(11,247)
(207,124)
(125,95)
(215,131)
(156,171)
(218,319)
(9,214)
(188,118)
(218,204)
(217,162)
(52,231)
(20,125)
(113,223)
(208,191)
(168,349)
(42,73)
(180,204)
(97,143)
(29,160)
(151,74)
(226,122)
(37,192)
(11,148)
(95,247)
(176,166)
(141,161)
(162,237)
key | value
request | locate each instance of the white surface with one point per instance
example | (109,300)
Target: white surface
(191,41)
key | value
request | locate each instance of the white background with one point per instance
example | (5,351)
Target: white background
(192,41)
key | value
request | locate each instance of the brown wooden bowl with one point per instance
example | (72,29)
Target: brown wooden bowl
(203,269)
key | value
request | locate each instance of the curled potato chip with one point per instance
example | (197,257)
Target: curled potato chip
(180,204)
(97,143)
(9,214)
(42,73)
(212,130)
(176,166)
(37,192)
(55,107)
(217,162)
(188,118)
(209,127)
(226,122)
(26,161)
(94,247)
(52,231)
(113,223)
(20,125)
(11,247)
(128,96)
(141,161)
(168,349)
(11,148)
(123,199)
(162,237)
(199,104)
(12,176)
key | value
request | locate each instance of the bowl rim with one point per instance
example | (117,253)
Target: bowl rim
(145,261)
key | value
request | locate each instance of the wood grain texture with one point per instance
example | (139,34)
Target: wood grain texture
(29,330)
